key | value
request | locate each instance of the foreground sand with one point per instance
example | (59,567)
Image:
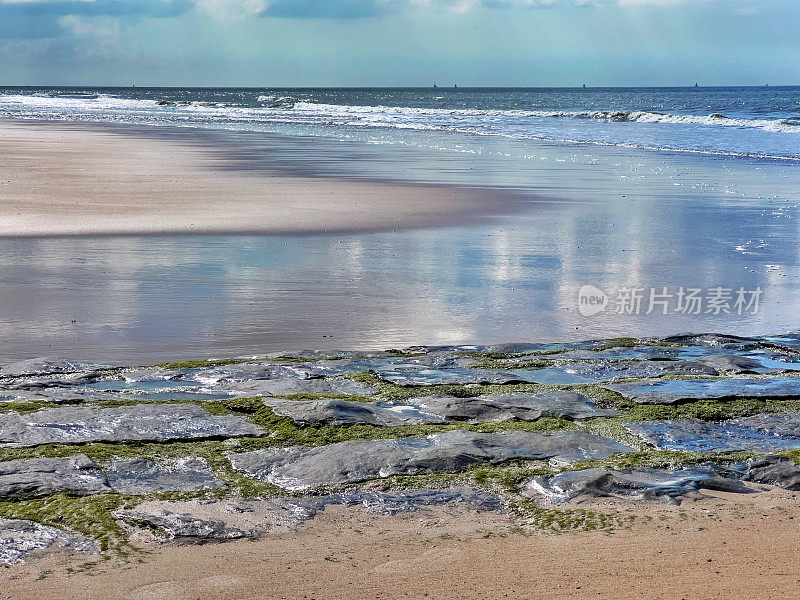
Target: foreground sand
(61,179)
(720,547)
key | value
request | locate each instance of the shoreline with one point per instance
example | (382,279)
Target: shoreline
(712,547)
(63,180)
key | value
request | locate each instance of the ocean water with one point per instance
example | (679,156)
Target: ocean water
(762,121)
(658,190)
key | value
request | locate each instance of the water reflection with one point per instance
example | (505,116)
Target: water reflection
(149,298)
(616,218)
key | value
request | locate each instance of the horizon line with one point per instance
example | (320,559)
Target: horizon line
(396,87)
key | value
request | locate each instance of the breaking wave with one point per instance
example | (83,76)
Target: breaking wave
(735,134)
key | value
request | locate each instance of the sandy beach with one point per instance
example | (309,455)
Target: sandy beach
(63,180)
(722,546)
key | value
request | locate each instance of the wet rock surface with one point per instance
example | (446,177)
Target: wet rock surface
(36,477)
(284,387)
(183,527)
(602,371)
(78,475)
(675,391)
(298,467)
(507,407)
(774,470)
(141,422)
(22,541)
(343,412)
(188,522)
(139,476)
(442,409)
(494,406)
(759,433)
(441,376)
(631,484)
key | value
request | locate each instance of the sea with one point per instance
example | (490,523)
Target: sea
(635,200)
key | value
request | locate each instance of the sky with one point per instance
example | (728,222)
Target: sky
(285,43)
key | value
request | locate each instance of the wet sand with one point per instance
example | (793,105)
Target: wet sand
(719,547)
(75,179)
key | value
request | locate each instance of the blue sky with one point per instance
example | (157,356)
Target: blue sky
(399,42)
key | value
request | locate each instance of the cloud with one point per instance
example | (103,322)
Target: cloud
(29,19)
(232,9)
(90,26)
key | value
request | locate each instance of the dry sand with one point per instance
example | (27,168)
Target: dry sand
(722,547)
(62,179)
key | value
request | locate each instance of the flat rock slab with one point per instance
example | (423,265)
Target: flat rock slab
(36,477)
(675,391)
(344,412)
(44,366)
(249,371)
(774,470)
(719,340)
(285,387)
(182,527)
(194,522)
(759,433)
(139,476)
(632,484)
(299,467)
(507,407)
(78,475)
(612,370)
(140,422)
(418,376)
(441,409)
(22,541)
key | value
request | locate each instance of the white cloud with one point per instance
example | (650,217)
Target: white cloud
(232,9)
(94,26)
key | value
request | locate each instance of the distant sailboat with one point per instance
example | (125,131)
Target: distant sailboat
(455,85)
(696,85)
(584,85)
(434,85)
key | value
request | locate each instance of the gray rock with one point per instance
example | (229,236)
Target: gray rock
(415,376)
(675,391)
(759,433)
(233,518)
(284,387)
(440,409)
(36,477)
(22,541)
(612,370)
(298,467)
(140,422)
(250,371)
(733,342)
(343,412)
(390,503)
(507,407)
(58,395)
(633,484)
(183,527)
(35,382)
(780,471)
(732,364)
(138,476)
(44,366)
